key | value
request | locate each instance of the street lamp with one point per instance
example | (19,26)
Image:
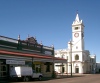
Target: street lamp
(71,55)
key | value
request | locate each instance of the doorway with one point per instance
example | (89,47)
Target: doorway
(3,69)
(99,70)
(77,70)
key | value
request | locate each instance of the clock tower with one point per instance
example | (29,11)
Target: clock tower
(78,34)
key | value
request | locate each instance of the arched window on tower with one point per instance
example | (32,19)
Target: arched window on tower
(76,57)
(76,28)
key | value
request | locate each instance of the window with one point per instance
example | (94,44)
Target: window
(77,57)
(76,28)
(63,69)
(76,47)
(47,66)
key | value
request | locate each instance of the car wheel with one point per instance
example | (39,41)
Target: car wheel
(26,79)
(40,77)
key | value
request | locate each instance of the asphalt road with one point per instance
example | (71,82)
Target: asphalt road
(92,78)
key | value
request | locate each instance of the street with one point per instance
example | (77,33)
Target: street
(90,78)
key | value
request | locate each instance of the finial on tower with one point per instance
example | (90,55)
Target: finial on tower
(77,20)
(77,17)
(18,37)
(76,11)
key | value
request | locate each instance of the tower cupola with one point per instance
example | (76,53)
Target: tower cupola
(77,20)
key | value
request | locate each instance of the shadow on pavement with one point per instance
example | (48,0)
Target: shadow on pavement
(47,78)
(63,77)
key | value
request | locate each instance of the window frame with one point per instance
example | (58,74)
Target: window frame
(76,57)
(76,28)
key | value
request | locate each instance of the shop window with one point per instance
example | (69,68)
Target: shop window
(33,66)
(47,66)
(37,68)
(77,57)
(63,69)
(28,63)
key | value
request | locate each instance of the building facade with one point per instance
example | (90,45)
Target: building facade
(17,52)
(79,59)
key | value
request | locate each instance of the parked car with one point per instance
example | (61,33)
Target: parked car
(24,73)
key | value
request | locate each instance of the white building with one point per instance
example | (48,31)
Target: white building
(98,67)
(76,53)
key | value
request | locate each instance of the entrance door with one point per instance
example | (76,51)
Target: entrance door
(77,70)
(99,70)
(3,70)
(63,69)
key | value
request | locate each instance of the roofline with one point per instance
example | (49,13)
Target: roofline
(29,55)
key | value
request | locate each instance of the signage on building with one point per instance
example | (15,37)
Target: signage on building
(15,62)
(37,66)
(48,52)
(49,48)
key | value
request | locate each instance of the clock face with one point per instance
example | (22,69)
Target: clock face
(76,34)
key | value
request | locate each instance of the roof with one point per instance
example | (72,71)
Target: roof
(6,52)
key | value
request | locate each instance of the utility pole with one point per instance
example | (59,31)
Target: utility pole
(53,72)
(71,55)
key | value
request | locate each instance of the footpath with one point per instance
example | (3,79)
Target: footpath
(59,76)
(69,75)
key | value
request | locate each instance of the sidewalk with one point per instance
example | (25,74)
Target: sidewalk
(69,75)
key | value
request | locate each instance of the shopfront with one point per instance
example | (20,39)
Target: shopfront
(15,52)
(9,61)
